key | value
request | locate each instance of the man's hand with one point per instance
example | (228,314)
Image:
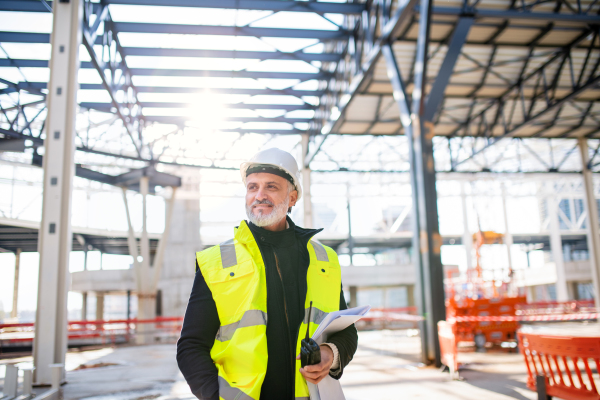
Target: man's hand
(316,373)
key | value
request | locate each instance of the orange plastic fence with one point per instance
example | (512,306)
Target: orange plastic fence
(566,362)
(494,331)
(448,346)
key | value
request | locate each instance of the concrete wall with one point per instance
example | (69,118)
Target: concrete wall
(379,275)
(117,280)
(575,271)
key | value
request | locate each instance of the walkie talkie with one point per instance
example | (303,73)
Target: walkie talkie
(310,352)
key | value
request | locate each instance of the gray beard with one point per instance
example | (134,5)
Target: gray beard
(277,214)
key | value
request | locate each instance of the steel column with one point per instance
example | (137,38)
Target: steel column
(430,239)
(15,308)
(593,236)
(467,237)
(403,103)
(55,238)
(508,238)
(84,305)
(308,213)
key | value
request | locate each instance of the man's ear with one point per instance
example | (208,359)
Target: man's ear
(293,197)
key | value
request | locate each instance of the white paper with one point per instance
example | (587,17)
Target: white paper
(329,388)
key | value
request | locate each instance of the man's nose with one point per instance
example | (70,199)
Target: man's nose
(261,194)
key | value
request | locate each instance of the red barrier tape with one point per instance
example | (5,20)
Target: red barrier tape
(511,318)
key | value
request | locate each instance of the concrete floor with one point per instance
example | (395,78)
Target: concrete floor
(386,366)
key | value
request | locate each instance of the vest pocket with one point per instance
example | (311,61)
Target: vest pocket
(231,287)
(232,273)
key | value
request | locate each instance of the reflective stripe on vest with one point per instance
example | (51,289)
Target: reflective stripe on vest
(320,251)
(227,392)
(228,257)
(316,316)
(235,274)
(250,318)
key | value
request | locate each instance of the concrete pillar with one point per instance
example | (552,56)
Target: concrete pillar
(572,290)
(15,303)
(146,295)
(508,238)
(308,213)
(530,293)
(467,237)
(128,316)
(99,306)
(180,252)
(410,295)
(146,274)
(350,238)
(353,296)
(55,236)
(562,293)
(593,236)
(84,306)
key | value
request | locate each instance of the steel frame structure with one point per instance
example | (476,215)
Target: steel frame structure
(109,58)
(458,80)
(553,81)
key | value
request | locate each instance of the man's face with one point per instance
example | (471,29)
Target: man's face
(267,194)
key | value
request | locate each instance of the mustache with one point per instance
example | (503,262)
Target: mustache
(265,201)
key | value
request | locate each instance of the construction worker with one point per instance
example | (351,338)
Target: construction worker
(249,302)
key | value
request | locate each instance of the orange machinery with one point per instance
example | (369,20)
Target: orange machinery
(477,297)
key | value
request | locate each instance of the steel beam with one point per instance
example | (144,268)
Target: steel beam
(479,12)
(114,74)
(240,54)
(26,37)
(389,33)
(55,240)
(193,90)
(436,95)
(173,29)
(181,120)
(238,106)
(267,5)
(302,76)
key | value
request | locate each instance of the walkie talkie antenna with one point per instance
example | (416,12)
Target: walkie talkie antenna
(308,326)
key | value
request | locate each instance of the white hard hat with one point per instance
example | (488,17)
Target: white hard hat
(278,159)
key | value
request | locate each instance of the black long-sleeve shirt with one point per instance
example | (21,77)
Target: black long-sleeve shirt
(286,261)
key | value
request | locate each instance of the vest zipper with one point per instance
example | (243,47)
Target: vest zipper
(286,312)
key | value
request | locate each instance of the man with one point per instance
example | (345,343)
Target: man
(248,309)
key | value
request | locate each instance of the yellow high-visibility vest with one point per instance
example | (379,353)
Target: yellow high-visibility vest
(235,274)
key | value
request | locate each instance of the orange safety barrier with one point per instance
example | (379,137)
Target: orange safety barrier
(562,365)
(469,312)
(448,346)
